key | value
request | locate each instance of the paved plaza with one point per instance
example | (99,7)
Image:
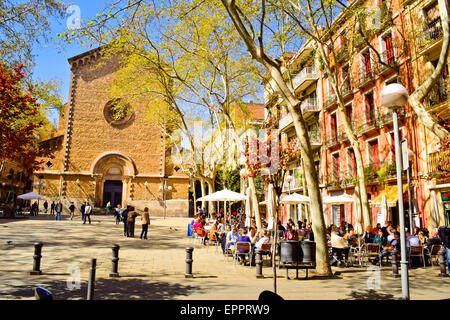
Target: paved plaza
(155,268)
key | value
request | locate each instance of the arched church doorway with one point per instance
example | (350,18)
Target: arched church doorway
(112,192)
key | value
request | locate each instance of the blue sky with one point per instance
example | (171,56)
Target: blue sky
(51,61)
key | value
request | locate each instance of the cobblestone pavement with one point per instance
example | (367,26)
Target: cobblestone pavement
(155,268)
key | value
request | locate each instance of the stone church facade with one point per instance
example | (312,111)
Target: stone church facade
(99,158)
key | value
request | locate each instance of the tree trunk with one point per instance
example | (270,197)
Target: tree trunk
(211,189)
(416,99)
(254,201)
(202,181)
(274,69)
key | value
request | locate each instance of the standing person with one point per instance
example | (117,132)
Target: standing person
(108,207)
(72,210)
(45,207)
(117,214)
(52,208)
(124,220)
(87,213)
(82,209)
(58,209)
(34,209)
(131,220)
(145,218)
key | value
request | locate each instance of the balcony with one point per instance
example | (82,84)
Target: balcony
(285,122)
(332,139)
(438,94)
(390,64)
(346,90)
(439,164)
(365,79)
(303,79)
(309,105)
(431,36)
(367,125)
(342,180)
(386,118)
(331,100)
(315,138)
(382,18)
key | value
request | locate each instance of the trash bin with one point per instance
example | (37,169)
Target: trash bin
(308,249)
(43,294)
(289,251)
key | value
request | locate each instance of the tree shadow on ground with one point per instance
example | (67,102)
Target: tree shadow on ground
(109,289)
(369,294)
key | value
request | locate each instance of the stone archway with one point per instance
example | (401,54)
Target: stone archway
(113,171)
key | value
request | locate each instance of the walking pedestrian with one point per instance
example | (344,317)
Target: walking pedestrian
(131,220)
(45,207)
(124,220)
(82,209)
(117,214)
(145,218)
(58,209)
(52,208)
(108,207)
(72,210)
(34,209)
(87,213)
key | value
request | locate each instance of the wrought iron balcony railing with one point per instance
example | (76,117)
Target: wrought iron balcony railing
(439,163)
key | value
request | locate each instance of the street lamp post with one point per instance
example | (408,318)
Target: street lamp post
(394,96)
(164,188)
(40,184)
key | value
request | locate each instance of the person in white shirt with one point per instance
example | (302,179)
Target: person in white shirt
(338,244)
(264,239)
(87,213)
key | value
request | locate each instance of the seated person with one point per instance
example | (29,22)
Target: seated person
(243,238)
(338,244)
(290,234)
(387,250)
(423,239)
(213,230)
(264,239)
(351,238)
(231,238)
(412,240)
(368,235)
(198,225)
(380,238)
(434,240)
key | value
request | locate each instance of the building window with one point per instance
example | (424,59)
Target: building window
(366,64)
(374,158)
(351,162)
(388,48)
(336,167)
(333,124)
(370,108)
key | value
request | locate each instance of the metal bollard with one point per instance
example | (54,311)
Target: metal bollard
(37,259)
(259,262)
(189,261)
(90,291)
(115,261)
(443,262)
(395,264)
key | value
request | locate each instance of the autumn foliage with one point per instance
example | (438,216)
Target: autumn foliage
(20,117)
(269,158)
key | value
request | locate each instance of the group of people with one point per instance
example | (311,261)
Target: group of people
(342,238)
(228,233)
(128,215)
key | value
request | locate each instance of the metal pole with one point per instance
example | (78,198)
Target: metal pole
(401,213)
(189,261)
(90,292)
(115,261)
(37,259)
(409,202)
(164,187)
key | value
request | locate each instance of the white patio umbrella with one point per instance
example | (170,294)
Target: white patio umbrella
(248,208)
(31,196)
(358,221)
(434,210)
(341,199)
(270,206)
(224,195)
(384,210)
(295,198)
